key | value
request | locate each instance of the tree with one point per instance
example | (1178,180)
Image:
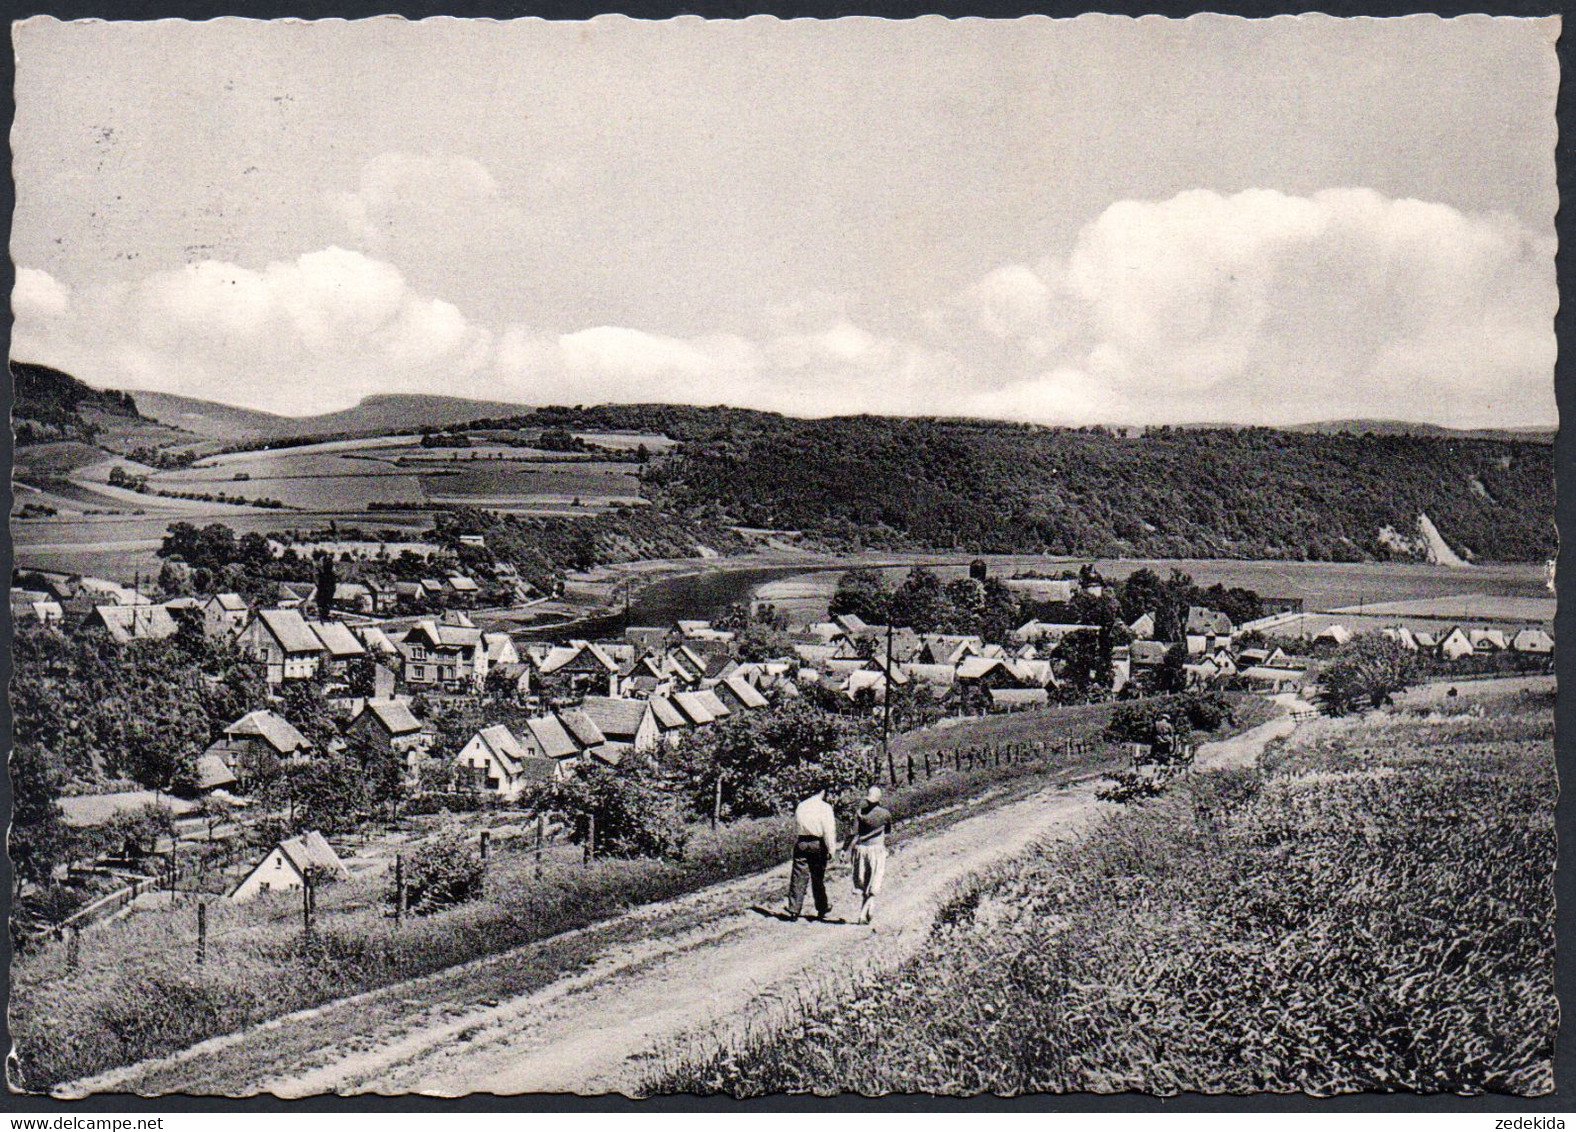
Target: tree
(326,584)
(864,593)
(636,815)
(38,838)
(920,603)
(1171,676)
(1370,666)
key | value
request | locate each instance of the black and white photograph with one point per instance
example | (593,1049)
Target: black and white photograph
(743,558)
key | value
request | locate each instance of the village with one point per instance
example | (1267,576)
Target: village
(397,683)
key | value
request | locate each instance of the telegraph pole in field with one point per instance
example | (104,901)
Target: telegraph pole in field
(886,709)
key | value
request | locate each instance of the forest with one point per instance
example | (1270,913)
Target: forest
(993,487)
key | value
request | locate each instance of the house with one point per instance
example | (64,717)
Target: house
(354,597)
(671,722)
(257,743)
(945,648)
(1050,632)
(739,694)
(212,774)
(1534,641)
(1143,627)
(826,631)
(442,654)
(495,761)
(1207,629)
(287,866)
(545,737)
(389,725)
(383,595)
(1148,654)
(581,666)
(409,595)
(1333,636)
(816,655)
(1273,679)
(340,646)
(1486,642)
(224,615)
(284,642)
(377,642)
(432,588)
(126,623)
(989,672)
(938,676)
(1200,673)
(854,625)
(632,723)
(292,595)
(36,606)
(1455,644)
(1426,642)
(499,648)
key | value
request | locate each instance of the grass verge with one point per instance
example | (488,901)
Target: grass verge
(1372,909)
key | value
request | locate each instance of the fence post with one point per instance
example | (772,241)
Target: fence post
(911,768)
(484,836)
(399,887)
(716,803)
(306,906)
(202,932)
(73,947)
(541,842)
(927,764)
(590,838)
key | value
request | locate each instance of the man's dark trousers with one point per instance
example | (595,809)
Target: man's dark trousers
(809,868)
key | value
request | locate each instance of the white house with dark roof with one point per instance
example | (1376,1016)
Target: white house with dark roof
(496,761)
(1534,641)
(285,643)
(256,743)
(287,865)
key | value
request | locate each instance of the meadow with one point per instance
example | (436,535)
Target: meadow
(1372,909)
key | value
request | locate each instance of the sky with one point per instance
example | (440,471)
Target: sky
(1058,221)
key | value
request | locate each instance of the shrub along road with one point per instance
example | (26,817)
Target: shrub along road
(639,984)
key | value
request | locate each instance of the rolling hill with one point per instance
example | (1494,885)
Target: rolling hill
(393,412)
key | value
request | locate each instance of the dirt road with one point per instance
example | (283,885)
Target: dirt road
(715,962)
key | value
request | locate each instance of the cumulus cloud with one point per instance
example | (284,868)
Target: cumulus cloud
(314,333)
(1258,306)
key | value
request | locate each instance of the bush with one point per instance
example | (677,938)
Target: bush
(1134,722)
(443,872)
(635,815)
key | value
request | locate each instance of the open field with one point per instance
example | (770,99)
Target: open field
(1466,607)
(1371,909)
(1321,585)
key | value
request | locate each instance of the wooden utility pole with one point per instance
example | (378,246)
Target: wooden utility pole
(590,854)
(541,842)
(886,709)
(399,887)
(716,803)
(202,932)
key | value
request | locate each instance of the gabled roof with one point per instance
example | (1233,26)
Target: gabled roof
(504,746)
(713,703)
(273,729)
(432,585)
(1018,697)
(667,713)
(290,629)
(230,603)
(212,774)
(462,584)
(692,706)
(581,728)
(1491,637)
(745,691)
(498,645)
(311,850)
(1202,620)
(564,655)
(933,674)
(456,617)
(851,623)
(974,667)
(375,639)
(551,737)
(136,622)
(1149,652)
(337,639)
(393,715)
(615,717)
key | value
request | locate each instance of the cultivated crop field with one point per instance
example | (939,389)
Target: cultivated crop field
(1372,910)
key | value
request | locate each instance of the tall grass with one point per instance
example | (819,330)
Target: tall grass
(1374,911)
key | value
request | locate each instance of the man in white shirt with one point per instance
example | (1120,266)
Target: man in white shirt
(812,849)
